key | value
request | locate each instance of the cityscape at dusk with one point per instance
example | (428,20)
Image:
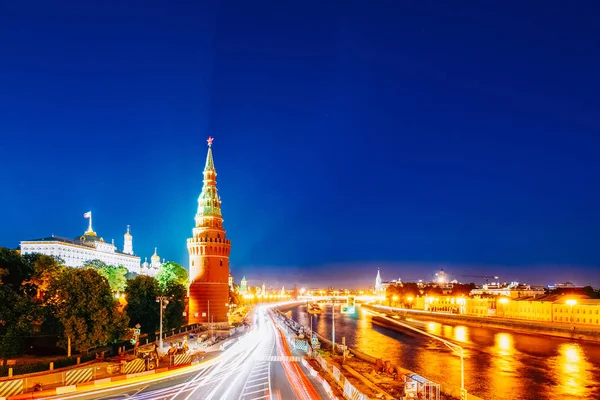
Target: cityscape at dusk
(275,200)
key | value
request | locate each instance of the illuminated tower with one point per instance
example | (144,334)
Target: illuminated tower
(243,286)
(378,282)
(209,254)
(128,242)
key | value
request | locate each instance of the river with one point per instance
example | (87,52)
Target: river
(499,365)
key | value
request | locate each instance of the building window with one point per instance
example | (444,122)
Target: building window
(221,262)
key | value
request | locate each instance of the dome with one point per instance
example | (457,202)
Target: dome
(127,234)
(155,257)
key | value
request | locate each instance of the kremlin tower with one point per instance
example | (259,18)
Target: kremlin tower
(128,242)
(209,254)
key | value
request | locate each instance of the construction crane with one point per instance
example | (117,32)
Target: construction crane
(487,278)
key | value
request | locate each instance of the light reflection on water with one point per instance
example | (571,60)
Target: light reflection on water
(498,365)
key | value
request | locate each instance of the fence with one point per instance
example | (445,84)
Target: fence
(29,368)
(301,345)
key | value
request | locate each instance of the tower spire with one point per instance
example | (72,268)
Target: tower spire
(209,204)
(210,164)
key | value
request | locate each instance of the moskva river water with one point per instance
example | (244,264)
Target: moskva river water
(500,365)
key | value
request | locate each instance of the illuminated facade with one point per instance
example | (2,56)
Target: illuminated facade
(151,269)
(89,246)
(378,285)
(208,251)
(243,286)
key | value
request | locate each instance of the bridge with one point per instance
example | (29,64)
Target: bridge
(340,298)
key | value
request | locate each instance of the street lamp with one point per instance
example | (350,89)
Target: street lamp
(163,300)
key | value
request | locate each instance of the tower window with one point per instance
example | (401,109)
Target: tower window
(221,262)
(192,263)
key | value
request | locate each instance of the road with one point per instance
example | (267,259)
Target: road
(258,366)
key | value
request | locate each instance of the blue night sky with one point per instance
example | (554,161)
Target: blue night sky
(411,135)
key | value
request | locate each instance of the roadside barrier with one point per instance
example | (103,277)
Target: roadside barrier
(76,376)
(180,359)
(11,388)
(134,366)
(336,374)
(350,392)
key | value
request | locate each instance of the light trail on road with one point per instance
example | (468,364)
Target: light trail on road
(258,366)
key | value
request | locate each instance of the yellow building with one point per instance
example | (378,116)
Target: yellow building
(481,306)
(559,309)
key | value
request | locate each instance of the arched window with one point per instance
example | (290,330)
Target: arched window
(221,262)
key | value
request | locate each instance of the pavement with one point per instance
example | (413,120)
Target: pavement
(259,365)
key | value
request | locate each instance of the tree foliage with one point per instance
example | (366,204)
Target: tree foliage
(141,293)
(116,276)
(16,268)
(45,269)
(171,272)
(17,317)
(83,302)
(173,313)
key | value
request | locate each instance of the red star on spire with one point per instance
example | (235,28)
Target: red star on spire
(210,140)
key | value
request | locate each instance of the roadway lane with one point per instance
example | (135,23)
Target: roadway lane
(256,367)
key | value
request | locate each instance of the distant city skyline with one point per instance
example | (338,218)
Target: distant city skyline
(396,133)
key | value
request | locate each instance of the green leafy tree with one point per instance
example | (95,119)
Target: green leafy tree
(45,269)
(171,272)
(83,302)
(114,275)
(173,313)
(16,269)
(17,317)
(141,293)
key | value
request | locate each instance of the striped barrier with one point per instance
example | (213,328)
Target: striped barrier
(10,388)
(76,376)
(135,366)
(336,374)
(179,359)
(351,393)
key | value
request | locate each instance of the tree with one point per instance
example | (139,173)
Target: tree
(141,293)
(114,275)
(17,317)
(173,313)
(45,269)
(83,303)
(235,297)
(171,272)
(16,268)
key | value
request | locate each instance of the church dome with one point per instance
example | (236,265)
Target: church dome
(155,257)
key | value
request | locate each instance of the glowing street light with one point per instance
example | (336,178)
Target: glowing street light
(163,300)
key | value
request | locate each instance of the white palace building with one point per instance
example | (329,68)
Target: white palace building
(75,252)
